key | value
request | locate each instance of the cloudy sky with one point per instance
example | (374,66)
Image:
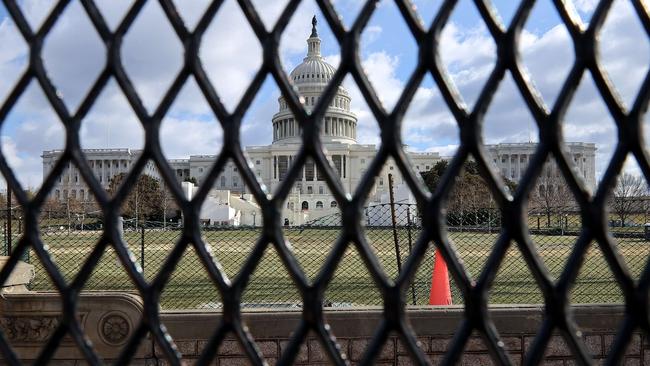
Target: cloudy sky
(74,55)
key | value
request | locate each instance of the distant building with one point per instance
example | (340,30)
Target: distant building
(105,164)
(511,160)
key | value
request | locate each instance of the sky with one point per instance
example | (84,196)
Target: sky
(152,54)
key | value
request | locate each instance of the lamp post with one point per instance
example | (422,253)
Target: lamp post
(254,214)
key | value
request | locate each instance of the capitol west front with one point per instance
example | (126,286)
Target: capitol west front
(310,197)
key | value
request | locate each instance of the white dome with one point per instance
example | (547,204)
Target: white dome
(313,69)
(311,78)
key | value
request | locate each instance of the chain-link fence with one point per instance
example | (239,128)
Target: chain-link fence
(474,232)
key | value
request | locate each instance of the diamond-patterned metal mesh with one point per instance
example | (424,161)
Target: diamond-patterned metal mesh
(475,291)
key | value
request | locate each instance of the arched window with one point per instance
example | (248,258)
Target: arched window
(319,204)
(305,205)
(334,204)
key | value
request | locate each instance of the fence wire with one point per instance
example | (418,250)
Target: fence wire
(473,233)
(474,286)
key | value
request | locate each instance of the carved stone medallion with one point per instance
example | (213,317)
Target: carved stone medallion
(114,328)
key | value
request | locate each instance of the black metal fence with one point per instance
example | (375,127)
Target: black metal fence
(70,238)
(549,119)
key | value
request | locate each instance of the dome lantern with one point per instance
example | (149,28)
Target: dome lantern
(313,42)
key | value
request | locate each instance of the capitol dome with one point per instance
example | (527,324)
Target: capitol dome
(310,79)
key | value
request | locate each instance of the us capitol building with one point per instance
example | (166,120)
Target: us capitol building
(310,198)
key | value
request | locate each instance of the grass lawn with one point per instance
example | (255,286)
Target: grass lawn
(270,283)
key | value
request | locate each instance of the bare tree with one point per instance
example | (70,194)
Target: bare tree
(551,194)
(628,189)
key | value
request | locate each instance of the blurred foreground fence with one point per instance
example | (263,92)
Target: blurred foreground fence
(70,240)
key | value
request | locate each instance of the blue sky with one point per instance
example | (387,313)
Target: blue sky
(230,54)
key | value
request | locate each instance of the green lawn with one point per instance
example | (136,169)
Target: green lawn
(190,286)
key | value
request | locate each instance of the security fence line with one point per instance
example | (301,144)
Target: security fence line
(473,234)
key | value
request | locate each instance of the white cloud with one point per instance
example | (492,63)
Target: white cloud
(380,69)
(585,5)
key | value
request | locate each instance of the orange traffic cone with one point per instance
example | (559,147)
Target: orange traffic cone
(440,290)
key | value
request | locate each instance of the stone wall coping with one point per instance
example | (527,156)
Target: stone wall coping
(362,322)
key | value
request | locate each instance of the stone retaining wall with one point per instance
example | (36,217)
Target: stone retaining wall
(108,319)
(435,327)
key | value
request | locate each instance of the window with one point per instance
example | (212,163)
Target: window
(200,170)
(381,181)
(234,169)
(257,162)
(305,205)
(427,167)
(283,166)
(235,181)
(310,190)
(319,205)
(320,190)
(223,182)
(334,204)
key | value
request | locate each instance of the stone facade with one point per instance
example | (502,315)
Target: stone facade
(104,163)
(511,160)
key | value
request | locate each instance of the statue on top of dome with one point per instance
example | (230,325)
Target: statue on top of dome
(314,22)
